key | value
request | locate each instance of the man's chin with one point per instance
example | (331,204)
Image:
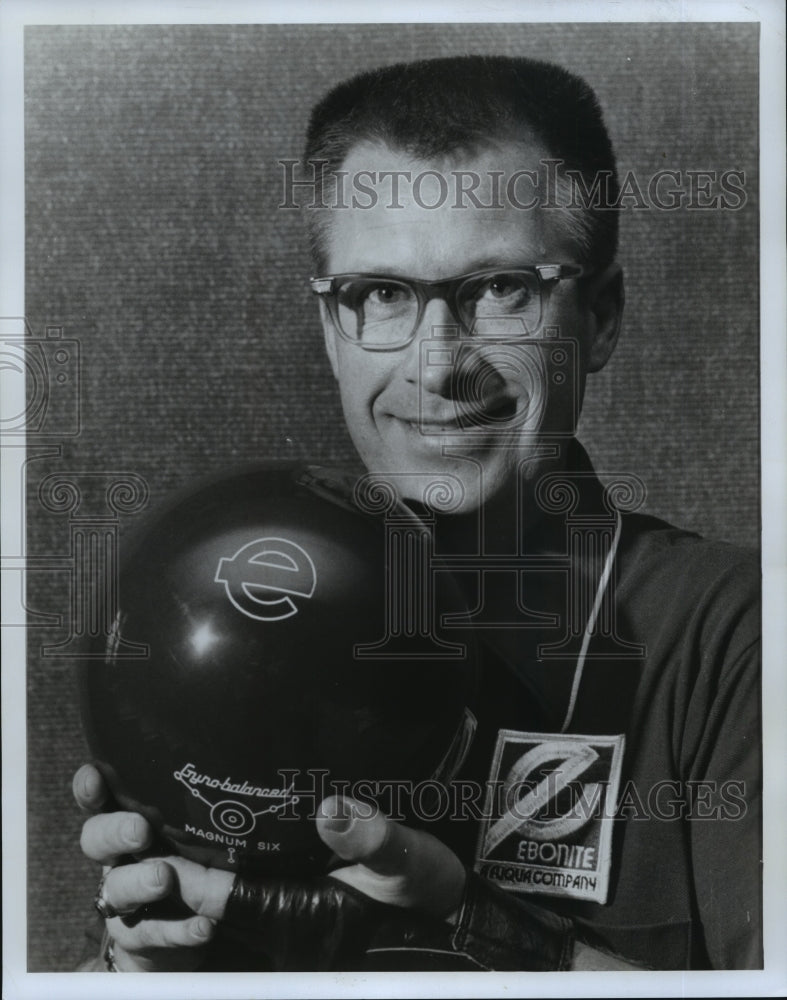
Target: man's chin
(450,487)
(460,482)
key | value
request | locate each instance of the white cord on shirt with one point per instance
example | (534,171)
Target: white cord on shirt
(603,582)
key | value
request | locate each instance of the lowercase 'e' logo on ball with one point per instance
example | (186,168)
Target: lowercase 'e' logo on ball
(262,575)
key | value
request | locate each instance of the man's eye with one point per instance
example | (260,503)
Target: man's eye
(503,286)
(384,295)
(372,296)
(503,294)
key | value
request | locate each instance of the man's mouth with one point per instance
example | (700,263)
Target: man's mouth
(463,418)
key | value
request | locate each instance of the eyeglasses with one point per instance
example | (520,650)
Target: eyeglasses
(382,313)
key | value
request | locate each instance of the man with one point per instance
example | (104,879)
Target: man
(464,244)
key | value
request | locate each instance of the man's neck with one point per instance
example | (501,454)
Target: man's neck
(512,521)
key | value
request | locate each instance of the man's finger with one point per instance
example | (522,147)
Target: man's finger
(149,935)
(110,836)
(130,886)
(204,890)
(89,788)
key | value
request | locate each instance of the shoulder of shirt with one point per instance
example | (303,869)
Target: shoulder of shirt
(692,576)
(649,537)
(706,589)
(661,563)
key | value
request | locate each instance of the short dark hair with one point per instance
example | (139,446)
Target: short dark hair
(435,107)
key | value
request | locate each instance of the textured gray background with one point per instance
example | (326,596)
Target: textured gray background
(154,238)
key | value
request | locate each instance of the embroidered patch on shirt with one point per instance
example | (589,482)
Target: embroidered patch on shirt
(548,816)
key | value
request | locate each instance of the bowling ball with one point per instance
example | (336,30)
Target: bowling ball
(275,644)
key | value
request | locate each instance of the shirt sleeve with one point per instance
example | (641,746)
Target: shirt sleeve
(722,758)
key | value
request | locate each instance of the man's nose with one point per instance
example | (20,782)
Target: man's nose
(430,356)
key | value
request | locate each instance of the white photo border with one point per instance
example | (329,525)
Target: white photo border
(18,983)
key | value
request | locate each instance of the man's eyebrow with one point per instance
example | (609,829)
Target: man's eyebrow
(480,264)
(503,260)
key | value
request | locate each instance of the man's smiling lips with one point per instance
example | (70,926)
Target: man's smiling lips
(459,418)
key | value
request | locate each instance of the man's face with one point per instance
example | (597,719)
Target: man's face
(483,410)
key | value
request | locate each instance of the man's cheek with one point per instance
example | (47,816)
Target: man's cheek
(553,398)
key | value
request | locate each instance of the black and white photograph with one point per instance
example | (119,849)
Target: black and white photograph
(393,500)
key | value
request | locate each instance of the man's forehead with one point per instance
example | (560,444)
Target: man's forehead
(489,172)
(463,210)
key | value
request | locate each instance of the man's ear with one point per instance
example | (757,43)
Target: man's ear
(606,298)
(329,335)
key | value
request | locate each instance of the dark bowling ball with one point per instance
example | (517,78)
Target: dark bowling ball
(253,594)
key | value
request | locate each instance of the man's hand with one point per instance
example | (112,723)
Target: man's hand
(322,923)
(148,941)
(390,863)
(394,864)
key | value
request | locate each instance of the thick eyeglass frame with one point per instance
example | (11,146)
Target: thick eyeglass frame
(448,289)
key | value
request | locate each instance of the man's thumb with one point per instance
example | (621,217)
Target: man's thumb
(357,831)
(388,861)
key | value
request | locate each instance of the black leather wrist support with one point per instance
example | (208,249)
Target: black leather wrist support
(315,924)
(501,931)
(320,924)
